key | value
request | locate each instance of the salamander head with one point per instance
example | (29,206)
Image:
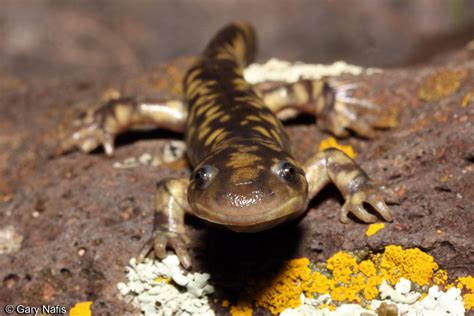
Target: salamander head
(248,188)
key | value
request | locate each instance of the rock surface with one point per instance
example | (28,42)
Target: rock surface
(81,220)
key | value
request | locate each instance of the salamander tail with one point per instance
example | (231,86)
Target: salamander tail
(235,42)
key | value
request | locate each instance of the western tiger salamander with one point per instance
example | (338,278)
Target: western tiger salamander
(244,176)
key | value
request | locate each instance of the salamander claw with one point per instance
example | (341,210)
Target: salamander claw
(181,248)
(161,240)
(108,143)
(145,251)
(96,128)
(88,137)
(390,195)
(362,128)
(346,113)
(366,194)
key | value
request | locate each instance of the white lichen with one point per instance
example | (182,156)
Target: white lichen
(170,151)
(436,303)
(130,162)
(400,294)
(280,70)
(10,240)
(163,288)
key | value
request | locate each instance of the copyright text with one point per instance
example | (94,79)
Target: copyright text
(34,310)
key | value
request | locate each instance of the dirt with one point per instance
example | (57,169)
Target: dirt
(80,220)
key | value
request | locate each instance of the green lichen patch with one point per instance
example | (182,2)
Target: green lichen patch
(441,84)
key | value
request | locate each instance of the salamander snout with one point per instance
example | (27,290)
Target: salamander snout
(247,195)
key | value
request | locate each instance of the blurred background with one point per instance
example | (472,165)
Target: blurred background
(57,37)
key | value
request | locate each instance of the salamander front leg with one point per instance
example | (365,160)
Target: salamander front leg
(100,127)
(332,165)
(171,204)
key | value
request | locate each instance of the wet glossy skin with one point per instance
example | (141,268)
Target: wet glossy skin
(246,191)
(244,175)
(231,132)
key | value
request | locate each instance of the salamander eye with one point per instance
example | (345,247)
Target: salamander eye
(202,176)
(287,171)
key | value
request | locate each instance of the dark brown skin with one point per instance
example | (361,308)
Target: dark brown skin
(244,175)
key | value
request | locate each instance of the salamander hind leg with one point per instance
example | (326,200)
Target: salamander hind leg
(332,165)
(331,101)
(338,111)
(171,204)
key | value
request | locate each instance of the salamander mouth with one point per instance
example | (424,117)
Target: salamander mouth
(257,221)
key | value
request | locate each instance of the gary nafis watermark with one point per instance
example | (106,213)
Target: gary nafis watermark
(34,310)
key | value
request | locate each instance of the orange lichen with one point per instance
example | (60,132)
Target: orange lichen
(162,280)
(367,267)
(327,306)
(371,289)
(374,228)
(6,197)
(466,284)
(321,284)
(81,309)
(440,277)
(468,301)
(225,303)
(284,291)
(241,309)
(347,279)
(342,265)
(441,84)
(388,119)
(411,264)
(467,99)
(332,143)
(352,281)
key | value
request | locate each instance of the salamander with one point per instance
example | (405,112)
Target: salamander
(244,176)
